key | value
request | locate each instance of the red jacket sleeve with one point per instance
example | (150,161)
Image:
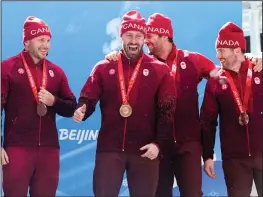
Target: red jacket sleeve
(65,103)
(91,91)
(204,65)
(5,81)
(6,67)
(208,116)
(166,108)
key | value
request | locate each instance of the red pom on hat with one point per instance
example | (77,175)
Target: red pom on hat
(231,36)
(34,27)
(133,21)
(160,24)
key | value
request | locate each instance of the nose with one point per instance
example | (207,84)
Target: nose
(46,44)
(218,55)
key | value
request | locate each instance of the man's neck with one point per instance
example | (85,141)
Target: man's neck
(166,51)
(236,67)
(35,60)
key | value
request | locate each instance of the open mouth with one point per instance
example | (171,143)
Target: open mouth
(133,47)
(222,61)
(150,46)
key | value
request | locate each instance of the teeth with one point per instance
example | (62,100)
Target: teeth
(133,47)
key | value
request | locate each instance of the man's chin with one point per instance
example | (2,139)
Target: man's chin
(42,56)
(133,55)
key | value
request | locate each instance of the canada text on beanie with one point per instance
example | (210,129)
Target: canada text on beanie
(231,36)
(133,21)
(34,27)
(160,24)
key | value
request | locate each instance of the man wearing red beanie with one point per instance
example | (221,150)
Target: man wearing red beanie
(33,91)
(181,156)
(238,102)
(137,103)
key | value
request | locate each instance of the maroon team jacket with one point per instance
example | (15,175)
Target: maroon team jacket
(22,125)
(152,100)
(219,100)
(191,68)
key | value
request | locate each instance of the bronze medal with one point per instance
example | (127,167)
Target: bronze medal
(41,109)
(125,110)
(243,119)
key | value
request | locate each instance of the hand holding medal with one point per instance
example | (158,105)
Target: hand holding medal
(44,97)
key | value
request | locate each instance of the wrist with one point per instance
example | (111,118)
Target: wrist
(53,100)
(156,145)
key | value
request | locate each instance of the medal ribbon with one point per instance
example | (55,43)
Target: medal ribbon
(135,73)
(174,66)
(242,107)
(31,79)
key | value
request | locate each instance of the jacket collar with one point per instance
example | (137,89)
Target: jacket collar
(171,56)
(30,61)
(128,61)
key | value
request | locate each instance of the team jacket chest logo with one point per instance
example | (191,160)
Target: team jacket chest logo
(51,73)
(21,71)
(145,72)
(111,71)
(224,86)
(257,80)
(183,65)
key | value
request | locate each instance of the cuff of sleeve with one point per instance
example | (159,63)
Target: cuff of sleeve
(55,101)
(208,156)
(156,145)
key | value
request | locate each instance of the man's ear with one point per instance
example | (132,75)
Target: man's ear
(26,43)
(237,51)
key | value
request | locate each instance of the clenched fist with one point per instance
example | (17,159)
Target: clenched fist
(46,97)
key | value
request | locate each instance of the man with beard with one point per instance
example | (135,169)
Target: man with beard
(137,103)
(33,91)
(182,155)
(238,102)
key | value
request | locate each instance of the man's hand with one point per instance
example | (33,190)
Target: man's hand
(216,72)
(152,151)
(209,168)
(257,61)
(4,157)
(112,56)
(46,97)
(79,113)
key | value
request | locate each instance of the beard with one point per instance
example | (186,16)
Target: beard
(132,51)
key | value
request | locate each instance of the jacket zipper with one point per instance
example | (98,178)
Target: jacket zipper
(126,119)
(246,126)
(39,123)
(173,122)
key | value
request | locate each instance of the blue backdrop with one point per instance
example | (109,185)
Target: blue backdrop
(83,32)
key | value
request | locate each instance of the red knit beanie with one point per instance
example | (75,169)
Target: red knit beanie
(231,36)
(133,21)
(34,27)
(160,24)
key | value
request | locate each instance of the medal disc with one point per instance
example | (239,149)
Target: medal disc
(243,119)
(125,110)
(41,109)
